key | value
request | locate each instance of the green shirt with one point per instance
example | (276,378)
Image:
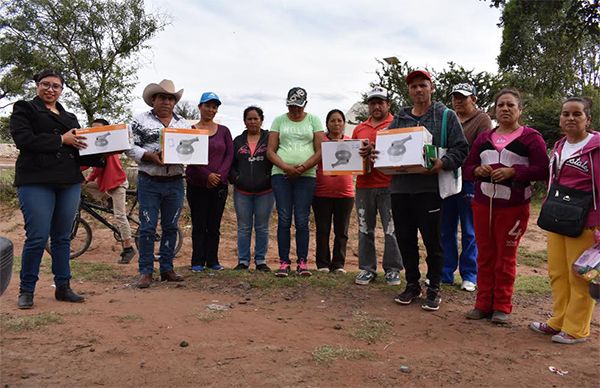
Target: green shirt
(296,141)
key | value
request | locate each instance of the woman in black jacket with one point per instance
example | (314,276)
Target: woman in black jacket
(48,179)
(252,196)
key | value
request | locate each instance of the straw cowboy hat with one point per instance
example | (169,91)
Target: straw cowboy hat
(165,86)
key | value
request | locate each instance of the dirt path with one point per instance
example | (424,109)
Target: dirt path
(321,331)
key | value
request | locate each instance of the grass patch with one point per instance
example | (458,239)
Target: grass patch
(95,272)
(29,322)
(531,259)
(209,316)
(326,354)
(129,318)
(532,284)
(369,329)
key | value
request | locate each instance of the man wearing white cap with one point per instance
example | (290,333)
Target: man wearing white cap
(159,186)
(458,207)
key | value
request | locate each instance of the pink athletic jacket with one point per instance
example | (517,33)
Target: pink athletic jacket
(581,171)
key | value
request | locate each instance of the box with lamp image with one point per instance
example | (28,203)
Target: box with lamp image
(103,139)
(402,150)
(184,146)
(340,157)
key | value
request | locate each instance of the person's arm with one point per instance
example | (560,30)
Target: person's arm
(458,147)
(473,161)
(538,162)
(272,148)
(137,151)
(234,171)
(223,169)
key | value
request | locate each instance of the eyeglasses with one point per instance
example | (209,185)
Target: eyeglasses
(48,85)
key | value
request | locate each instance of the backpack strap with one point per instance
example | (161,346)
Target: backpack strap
(444,134)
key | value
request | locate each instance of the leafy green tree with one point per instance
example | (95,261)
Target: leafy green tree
(93,43)
(187,110)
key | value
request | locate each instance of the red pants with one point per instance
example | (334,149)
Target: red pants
(497,243)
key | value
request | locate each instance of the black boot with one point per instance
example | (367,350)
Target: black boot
(25,300)
(65,294)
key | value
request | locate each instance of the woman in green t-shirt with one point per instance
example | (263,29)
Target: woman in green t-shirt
(295,149)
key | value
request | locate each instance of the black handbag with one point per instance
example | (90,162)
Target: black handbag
(565,210)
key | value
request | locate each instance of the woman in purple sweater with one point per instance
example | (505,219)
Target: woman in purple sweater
(207,187)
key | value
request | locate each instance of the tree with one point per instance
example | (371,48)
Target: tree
(93,43)
(187,110)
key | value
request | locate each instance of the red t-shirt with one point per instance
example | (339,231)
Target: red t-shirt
(333,186)
(375,179)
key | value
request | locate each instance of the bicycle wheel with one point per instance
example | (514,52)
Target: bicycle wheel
(81,238)
(157,237)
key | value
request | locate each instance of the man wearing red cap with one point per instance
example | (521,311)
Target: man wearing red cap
(416,203)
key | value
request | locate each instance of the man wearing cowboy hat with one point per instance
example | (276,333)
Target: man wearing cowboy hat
(159,186)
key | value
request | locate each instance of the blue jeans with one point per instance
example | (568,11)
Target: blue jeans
(48,211)
(166,198)
(455,208)
(292,196)
(253,210)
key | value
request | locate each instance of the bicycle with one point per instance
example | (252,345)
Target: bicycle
(81,232)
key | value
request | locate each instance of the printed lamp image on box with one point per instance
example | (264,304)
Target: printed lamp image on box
(342,158)
(107,138)
(401,150)
(184,146)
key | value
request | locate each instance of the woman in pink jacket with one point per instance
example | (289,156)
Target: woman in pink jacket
(575,164)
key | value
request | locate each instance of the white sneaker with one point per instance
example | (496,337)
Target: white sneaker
(324,270)
(339,270)
(468,286)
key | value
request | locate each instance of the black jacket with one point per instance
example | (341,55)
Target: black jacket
(42,158)
(251,173)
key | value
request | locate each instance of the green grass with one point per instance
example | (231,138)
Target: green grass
(95,272)
(326,354)
(531,259)
(369,329)
(29,322)
(532,284)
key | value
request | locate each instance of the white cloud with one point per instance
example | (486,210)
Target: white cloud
(251,52)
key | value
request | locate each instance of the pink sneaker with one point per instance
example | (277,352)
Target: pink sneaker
(283,271)
(303,269)
(543,328)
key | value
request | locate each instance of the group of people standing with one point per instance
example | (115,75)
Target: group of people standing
(282,167)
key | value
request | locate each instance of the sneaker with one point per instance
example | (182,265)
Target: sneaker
(392,278)
(197,268)
(283,271)
(241,267)
(432,301)
(468,286)
(263,268)
(216,267)
(543,328)
(477,314)
(302,269)
(564,338)
(500,317)
(364,277)
(127,255)
(411,292)
(323,270)
(426,282)
(339,270)
(25,301)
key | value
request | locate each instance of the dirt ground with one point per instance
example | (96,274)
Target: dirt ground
(319,331)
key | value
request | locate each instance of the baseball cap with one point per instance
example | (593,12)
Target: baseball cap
(377,92)
(209,96)
(464,89)
(296,96)
(418,72)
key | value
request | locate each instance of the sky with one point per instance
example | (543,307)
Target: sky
(251,52)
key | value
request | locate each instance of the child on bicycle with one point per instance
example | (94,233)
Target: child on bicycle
(111,182)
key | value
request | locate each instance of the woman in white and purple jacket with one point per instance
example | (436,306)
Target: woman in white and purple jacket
(574,164)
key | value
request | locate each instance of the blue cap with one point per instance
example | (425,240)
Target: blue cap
(208,96)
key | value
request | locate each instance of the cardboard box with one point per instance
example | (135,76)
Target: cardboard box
(401,150)
(107,138)
(184,146)
(341,157)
